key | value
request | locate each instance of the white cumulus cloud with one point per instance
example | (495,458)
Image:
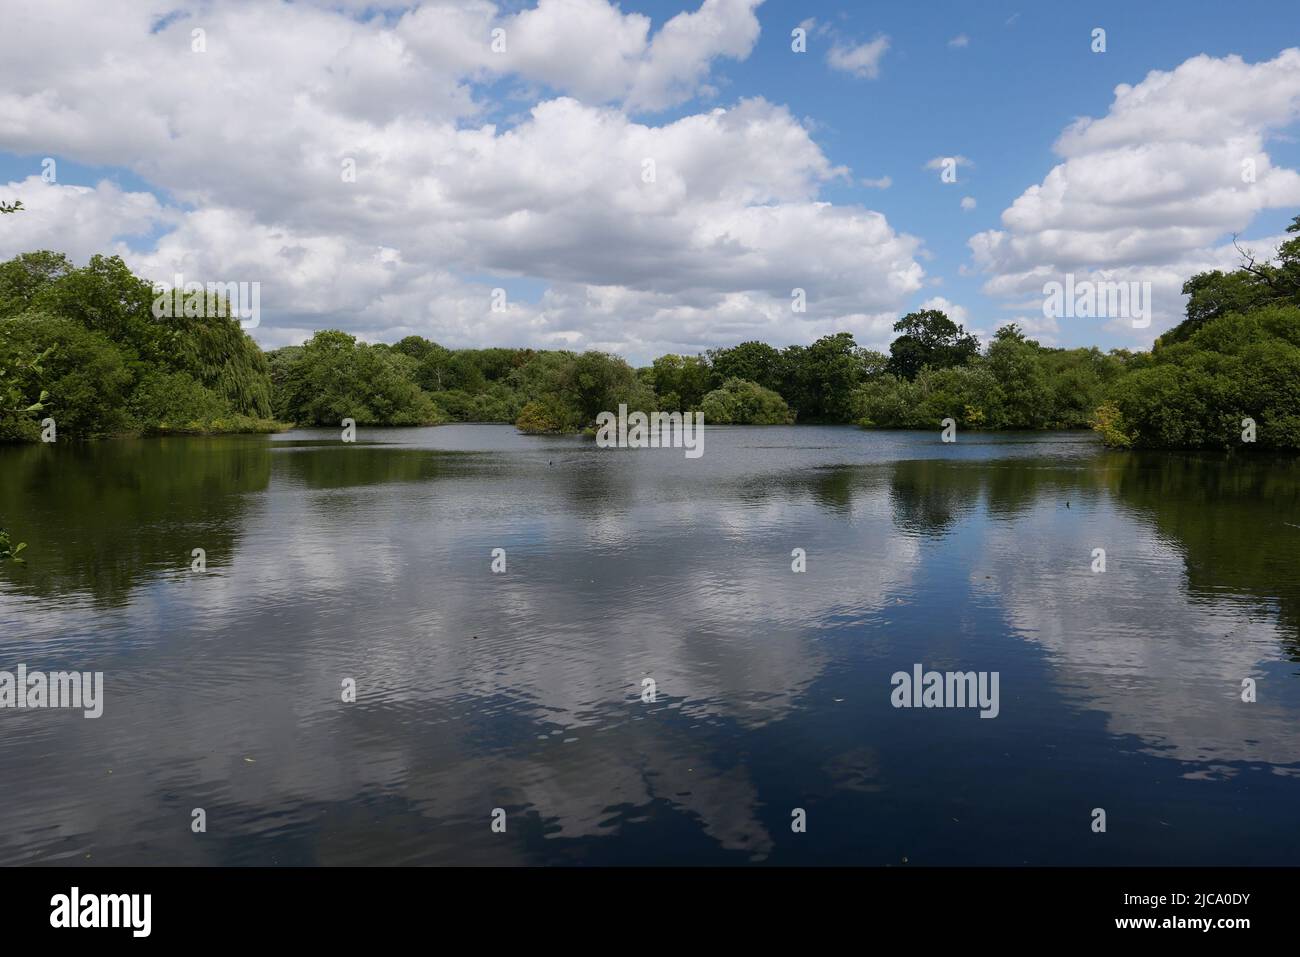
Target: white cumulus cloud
(1151,190)
(609,229)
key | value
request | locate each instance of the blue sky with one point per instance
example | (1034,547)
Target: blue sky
(1001,97)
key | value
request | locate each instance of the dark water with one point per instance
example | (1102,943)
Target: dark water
(522,691)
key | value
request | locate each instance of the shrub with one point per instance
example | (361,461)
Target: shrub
(741,402)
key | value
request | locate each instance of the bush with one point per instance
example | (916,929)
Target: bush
(969,394)
(542,418)
(163,397)
(741,402)
(497,404)
(1106,422)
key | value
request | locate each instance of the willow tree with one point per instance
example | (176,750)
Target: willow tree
(206,341)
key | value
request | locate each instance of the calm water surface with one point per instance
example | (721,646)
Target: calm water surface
(522,690)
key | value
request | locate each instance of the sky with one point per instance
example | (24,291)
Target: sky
(652,177)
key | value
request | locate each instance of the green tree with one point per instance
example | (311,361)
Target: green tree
(417,347)
(681,382)
(1196,393)
(548,415)
(565,393)
(1025,393)
(22,277)
(599,382)
(209,345)
(82,369)
(752,361)
(929,338)
(336,377)
(105,297)
(1253,285)
(969,394)
(740,402)
(823,377)
(1214,294)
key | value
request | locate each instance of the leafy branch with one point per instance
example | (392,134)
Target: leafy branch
(8,550)
(12,397)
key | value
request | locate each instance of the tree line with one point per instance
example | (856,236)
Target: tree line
(82,345)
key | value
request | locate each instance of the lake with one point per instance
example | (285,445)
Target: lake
(648,680)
